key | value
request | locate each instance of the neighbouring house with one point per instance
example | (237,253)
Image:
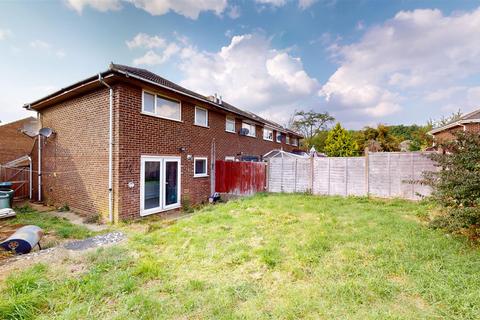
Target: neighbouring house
(13,142)
(468,122)
(129,143)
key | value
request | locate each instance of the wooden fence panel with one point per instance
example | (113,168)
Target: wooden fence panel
(241,178)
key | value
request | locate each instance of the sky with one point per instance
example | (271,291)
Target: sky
(365,62)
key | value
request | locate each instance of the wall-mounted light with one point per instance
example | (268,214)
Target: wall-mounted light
(189,157)
(182,149)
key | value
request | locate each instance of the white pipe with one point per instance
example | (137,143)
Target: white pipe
(110,149)
(39,168)
(30,179)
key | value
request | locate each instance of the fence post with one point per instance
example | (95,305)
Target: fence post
(295,181)
(389,176)
(328,187)
(413,175)
(281,176)
(367,174)
(312,173)
(267,175)
(346,176)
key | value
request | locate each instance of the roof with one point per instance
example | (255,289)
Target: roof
(152,78)
(471,117)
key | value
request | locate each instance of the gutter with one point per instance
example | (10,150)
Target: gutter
(110,148)
(453,124)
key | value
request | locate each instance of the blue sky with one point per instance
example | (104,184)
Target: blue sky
(366,62)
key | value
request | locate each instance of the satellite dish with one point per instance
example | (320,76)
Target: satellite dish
(46,132)
(31,128)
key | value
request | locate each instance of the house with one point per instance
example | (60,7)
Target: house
(468,122)
(13,142)
(128,143)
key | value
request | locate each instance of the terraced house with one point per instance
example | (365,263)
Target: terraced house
(129,143)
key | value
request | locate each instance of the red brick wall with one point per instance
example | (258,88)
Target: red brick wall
(147,135)
(13,143)
(75,159)
(447,135)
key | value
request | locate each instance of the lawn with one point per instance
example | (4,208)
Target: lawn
(265,257)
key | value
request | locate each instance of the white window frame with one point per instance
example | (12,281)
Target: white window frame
(229,158)
(287,139)
(267,129)
(200,175)
(205,125)
(294,141)
(163,206)
(276,137)
(254,135)
(232,119)
(154,114)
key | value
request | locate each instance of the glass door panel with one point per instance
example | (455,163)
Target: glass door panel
(151,195)
(171,182)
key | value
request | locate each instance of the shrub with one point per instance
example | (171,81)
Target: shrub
(456,183)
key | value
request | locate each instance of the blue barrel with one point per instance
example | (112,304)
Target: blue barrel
(5,186)
(4,201)
(9,193)
(23,240)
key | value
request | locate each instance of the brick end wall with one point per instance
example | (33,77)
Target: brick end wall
(147,135)
(75,159)
(13,143)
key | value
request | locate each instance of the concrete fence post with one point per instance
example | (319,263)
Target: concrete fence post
(346,176)
(312,173)
(295,180)
(328,170)
(367,173)
(389,175)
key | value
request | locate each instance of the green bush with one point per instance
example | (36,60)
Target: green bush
(456,185)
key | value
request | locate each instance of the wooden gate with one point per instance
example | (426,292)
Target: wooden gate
(241,178)
(20,179)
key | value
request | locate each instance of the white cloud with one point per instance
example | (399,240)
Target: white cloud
(250,74)
(60,53)
(416,51)
(153,58)
(100,5)
(5,33)
(304,4)
(234,12)
(188,8)
(275,3)
(143,40)
(39,44)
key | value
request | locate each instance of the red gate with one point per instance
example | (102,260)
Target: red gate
(240,178)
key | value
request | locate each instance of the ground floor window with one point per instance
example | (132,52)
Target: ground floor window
(200,167)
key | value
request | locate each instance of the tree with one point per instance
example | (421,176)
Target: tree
(310,123)
(340,143)
(377,139)
(444,120)
(456,184)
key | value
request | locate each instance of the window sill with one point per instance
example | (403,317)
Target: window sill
(271,140)
(230,131)
(200,176)
(201,126)
(160,117)
(147,213)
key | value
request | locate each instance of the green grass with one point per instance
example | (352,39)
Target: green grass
(265,257)
(60,226)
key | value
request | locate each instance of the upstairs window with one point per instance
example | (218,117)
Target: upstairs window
(267,134)
(287,140)
(201,117)
(295,142)
(250,128)
(279,137)
(161,106)
(230,124)
(200,167)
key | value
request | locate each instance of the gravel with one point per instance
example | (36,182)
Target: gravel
(97,241)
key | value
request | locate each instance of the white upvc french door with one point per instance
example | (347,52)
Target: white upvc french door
(159,184)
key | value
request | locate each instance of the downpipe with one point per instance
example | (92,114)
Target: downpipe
(110,149)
